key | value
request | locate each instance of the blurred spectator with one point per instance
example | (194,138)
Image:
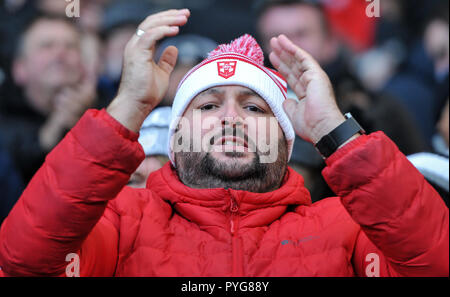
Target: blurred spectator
(436,42)
(91,15)
(441,138)
(90,12)
(14,16)
(443,125)
(219,20)
(421,84)
(91,55)
(52,7)
(303,22)
(435,166)
(192,49)
(10,184)
(405,65)
(89,23)
(306,24)
(119,23)
(154,138)
(56,89)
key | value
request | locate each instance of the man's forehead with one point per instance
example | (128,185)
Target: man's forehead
(221,92)
(49,28)
(239,90)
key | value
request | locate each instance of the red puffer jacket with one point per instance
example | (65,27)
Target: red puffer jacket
(387,221)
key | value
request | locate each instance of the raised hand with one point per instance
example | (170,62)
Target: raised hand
(145,81)
(69,104)
(316,113)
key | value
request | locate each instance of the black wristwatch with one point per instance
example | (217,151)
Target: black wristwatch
(328,144)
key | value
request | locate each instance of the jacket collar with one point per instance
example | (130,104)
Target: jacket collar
(191,202)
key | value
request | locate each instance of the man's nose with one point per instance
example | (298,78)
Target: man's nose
(232,116)
(60,51)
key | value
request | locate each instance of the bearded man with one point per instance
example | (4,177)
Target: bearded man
(227,204)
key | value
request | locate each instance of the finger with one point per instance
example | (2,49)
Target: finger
(88,77)
(74,100)
(67,104)
(168,59)
(149,39)
(166,13)
(294,79)
(275,60)
(287,44)
(174,16)
(177,20)
(275,45)
(287,57)
(304,58)
(290,106)
(291,76)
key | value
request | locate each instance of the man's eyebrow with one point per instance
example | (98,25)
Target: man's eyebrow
(220,92)
(212,91)
(248,92)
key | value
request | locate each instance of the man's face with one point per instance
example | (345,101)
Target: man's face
(139,178)
(242,144)
(300,23)
(50,57)
(113,50)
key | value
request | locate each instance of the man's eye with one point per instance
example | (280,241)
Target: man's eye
(253,108)
(208,107)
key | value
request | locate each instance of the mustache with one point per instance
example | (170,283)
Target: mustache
(233,132)
(59,63)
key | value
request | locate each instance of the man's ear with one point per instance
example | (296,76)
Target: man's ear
(19,72)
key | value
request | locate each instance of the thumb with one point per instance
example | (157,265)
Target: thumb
(290,105)
(168,59)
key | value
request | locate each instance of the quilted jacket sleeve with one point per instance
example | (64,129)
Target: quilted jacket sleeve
(66,199)
(400,214)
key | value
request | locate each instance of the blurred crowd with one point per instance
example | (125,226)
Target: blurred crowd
(59,58)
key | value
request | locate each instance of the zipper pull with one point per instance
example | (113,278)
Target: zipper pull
(233,209)
(233,206)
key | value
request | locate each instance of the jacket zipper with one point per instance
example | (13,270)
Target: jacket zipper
(234,208)
(235,241)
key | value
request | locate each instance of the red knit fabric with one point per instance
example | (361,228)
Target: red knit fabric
(245,45)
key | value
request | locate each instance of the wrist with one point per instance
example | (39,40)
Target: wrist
(344,133)
(325,127)
(130,114)
(49,134)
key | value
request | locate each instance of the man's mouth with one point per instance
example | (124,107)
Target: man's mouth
(231,143)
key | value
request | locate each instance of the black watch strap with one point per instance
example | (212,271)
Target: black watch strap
(328,144)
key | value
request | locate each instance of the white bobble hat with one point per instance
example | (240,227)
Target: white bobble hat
(239,63)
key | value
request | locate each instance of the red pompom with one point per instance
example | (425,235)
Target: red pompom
(245,45)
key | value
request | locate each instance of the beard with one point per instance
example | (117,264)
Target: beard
(202,171)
